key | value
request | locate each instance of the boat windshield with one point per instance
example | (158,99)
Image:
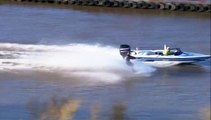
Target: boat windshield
(176,51)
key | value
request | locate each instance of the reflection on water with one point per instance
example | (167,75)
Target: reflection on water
(95,111)
(65,109)
(206,113)
(118,112)
(55,109)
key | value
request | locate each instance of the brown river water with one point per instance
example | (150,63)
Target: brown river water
(61,63)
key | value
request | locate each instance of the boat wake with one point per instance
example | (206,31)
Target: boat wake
(91,62)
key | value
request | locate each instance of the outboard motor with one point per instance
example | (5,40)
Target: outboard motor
(124,50)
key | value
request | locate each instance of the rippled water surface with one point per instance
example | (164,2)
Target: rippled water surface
(59,62)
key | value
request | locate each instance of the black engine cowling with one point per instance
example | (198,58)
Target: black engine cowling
(124,50)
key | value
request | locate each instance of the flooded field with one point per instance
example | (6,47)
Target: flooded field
(59,62)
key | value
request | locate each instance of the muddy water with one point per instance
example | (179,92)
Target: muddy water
(57,60)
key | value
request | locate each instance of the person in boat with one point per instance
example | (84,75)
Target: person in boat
(167,51)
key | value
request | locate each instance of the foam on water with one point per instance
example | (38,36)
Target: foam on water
(94,62)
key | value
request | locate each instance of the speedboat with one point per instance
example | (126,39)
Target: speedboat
(158,58)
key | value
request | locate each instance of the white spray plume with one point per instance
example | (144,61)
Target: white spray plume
(97,62)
